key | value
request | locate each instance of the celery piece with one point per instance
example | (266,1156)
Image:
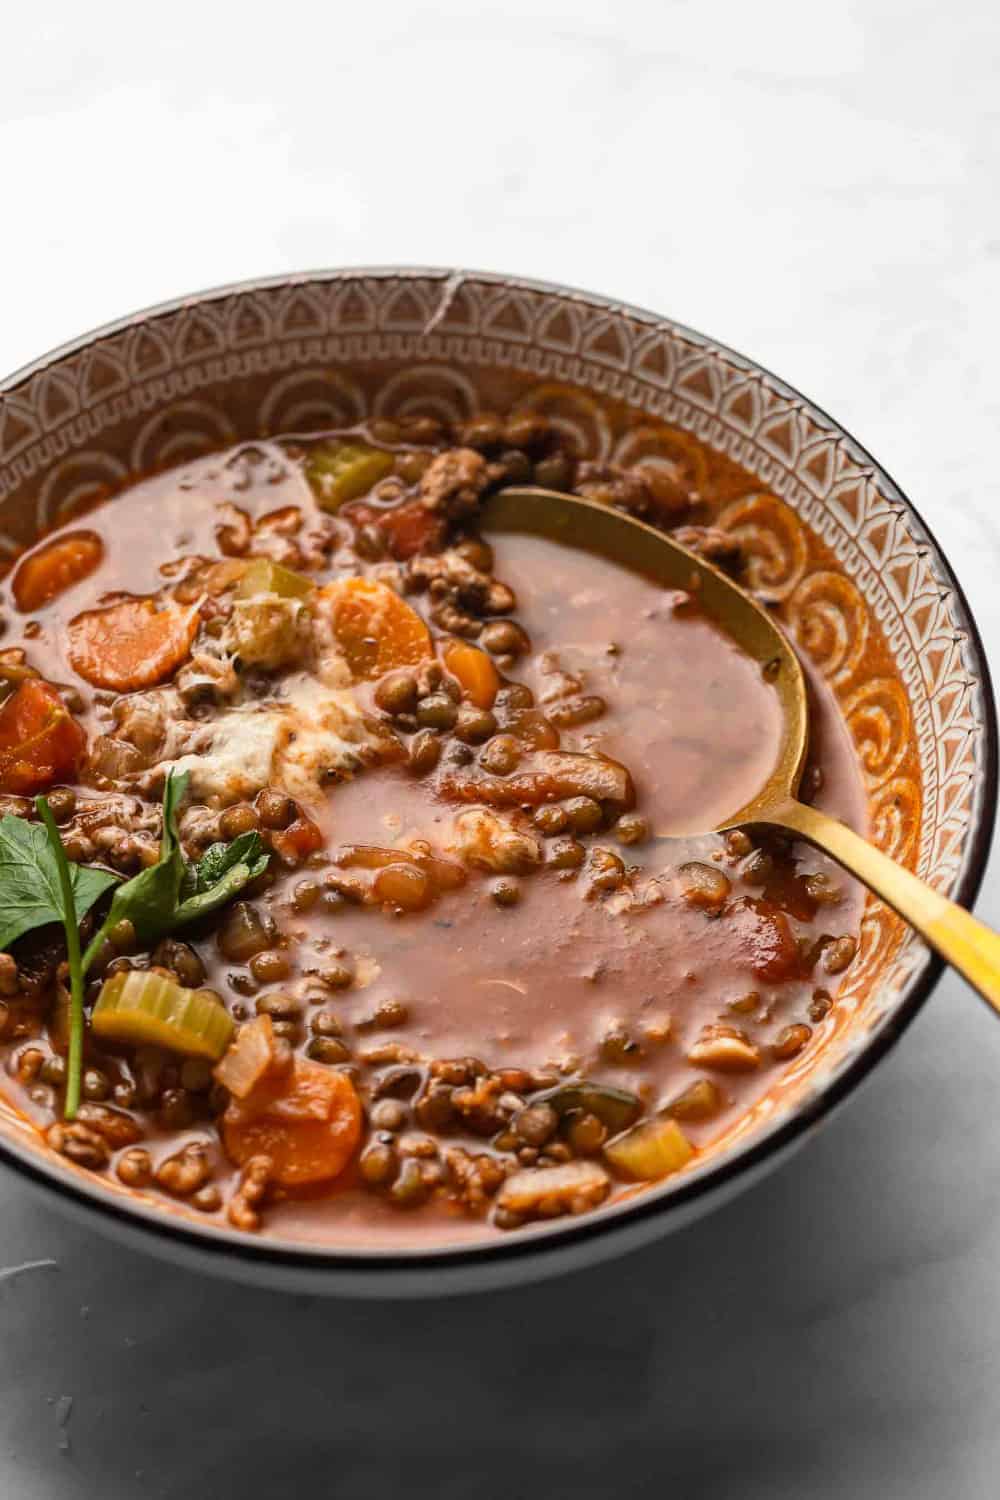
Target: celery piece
(650,1150)
(149,1009)
(262,576)
(339,472)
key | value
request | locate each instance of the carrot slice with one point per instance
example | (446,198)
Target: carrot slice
(375,629)
(54,568)
(475,672)
(308,1122)
(40,741)
(131,644)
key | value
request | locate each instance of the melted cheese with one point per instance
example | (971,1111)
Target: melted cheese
(236,762)
(328,738)
(312,736)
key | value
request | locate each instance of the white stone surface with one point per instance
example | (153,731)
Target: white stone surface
(817,186)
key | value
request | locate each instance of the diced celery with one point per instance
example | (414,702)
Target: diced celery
(650,1150)
(339,472)
(262,576)
(149,1009)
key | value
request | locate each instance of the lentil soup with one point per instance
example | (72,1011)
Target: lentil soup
(442,952)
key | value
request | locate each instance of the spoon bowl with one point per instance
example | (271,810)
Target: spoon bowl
(967,944)
(612,534)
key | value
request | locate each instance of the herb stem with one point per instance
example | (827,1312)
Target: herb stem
(74,1061)
(90,953)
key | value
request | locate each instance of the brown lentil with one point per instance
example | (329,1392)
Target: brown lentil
(134,1167)
(504,638)
(237,820)
(305,895)
(474,725)
(583,814)
(409,1188)
(838,954)
(501,755)
(704,885)
(396,693)
(565,854)
(388,1114)
(270,967)
(631,828)
(328,1049)
(790,1042)
(505,891)
(207,1199)
(586,1134)
(424,752)
(182,961)
(378,1163)
(437,711)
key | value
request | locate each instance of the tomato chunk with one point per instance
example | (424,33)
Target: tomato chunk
(308,1121)
(766,939)
(300,838)
(40,741)
(408,529)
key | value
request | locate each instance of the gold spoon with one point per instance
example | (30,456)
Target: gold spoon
(968,945)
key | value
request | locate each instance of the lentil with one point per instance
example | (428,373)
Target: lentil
(839,954)
(790,1042)
(632,828)
(134,1167)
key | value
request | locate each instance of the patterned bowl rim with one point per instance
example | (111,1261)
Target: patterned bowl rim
(224,1245)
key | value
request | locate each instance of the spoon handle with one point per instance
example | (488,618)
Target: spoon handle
(967,944)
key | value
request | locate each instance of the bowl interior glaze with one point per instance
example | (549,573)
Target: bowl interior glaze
(834,546)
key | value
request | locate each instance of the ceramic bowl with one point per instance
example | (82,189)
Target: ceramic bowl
(839,551)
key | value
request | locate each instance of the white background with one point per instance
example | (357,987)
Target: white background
(818,186)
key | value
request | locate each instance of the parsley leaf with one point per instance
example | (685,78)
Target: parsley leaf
(38,886)
(71,926)
(220,874)
(150,899)
(172,893)
(219,859)
(30,890)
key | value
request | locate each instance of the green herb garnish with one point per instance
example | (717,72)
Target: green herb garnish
(38,886)
(172,893)
(31,893)
(71,925)
(150,899)
(222,871)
